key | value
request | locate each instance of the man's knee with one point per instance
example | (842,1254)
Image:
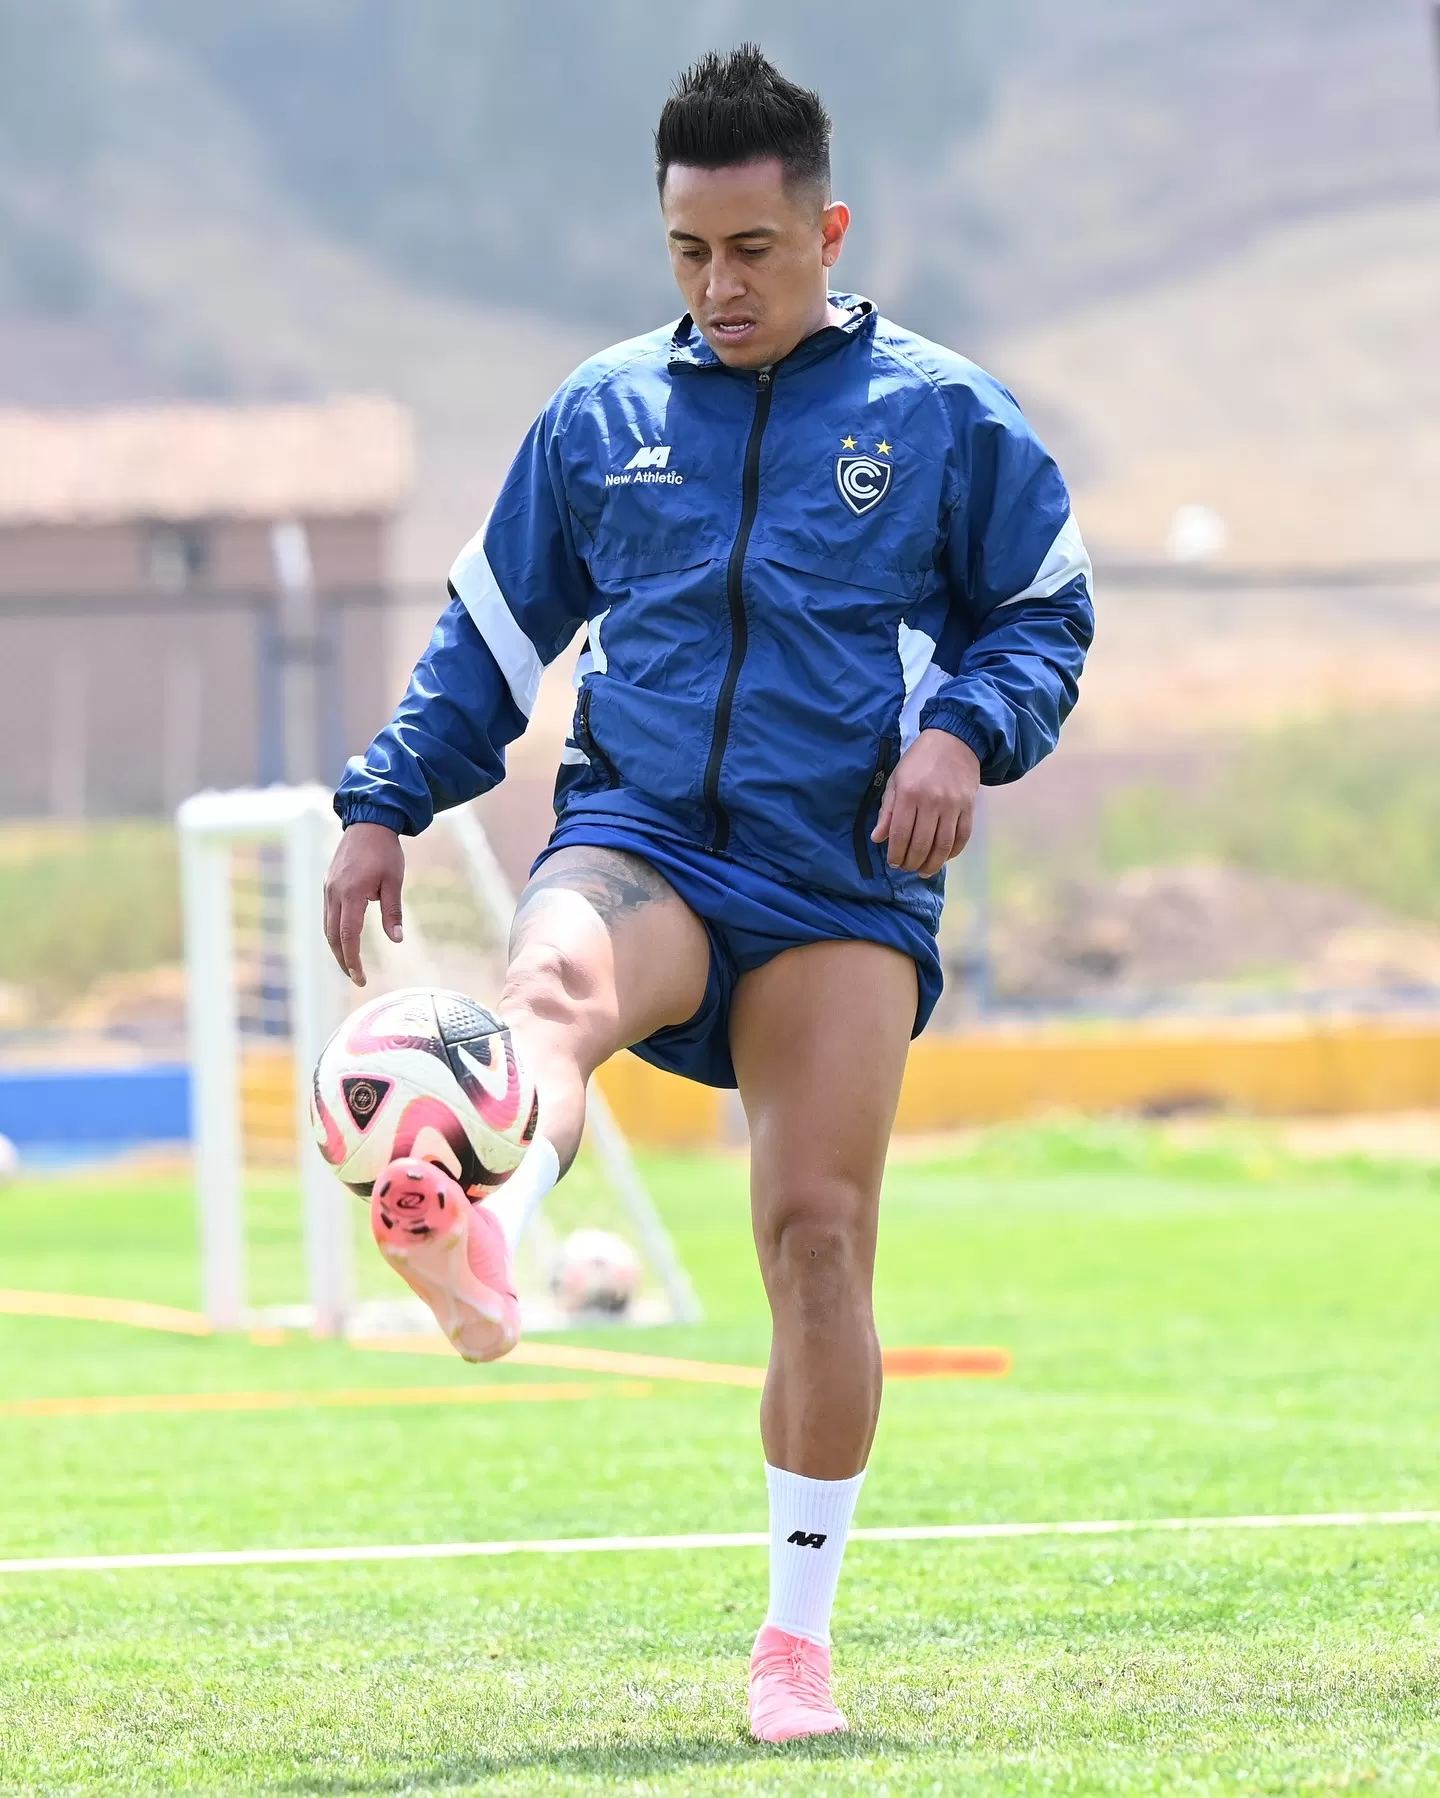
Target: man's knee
(818,1251)
(546,984)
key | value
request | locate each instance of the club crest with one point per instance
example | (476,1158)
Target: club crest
(863,482)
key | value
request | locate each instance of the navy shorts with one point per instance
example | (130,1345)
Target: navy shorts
(749,918)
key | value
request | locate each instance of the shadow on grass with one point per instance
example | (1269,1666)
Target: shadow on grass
(612,1761)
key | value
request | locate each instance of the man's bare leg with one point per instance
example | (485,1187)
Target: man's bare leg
(603,952)
(819,1037)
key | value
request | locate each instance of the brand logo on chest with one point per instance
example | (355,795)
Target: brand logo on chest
(649,466)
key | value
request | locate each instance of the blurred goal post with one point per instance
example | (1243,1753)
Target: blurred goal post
(279,968)
(300,824)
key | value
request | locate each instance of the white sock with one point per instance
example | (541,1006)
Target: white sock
(515,1202)
(809,1526)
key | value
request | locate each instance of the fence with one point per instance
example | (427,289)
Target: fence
(121,704)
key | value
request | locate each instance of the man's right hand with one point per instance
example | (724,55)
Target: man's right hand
(369,864)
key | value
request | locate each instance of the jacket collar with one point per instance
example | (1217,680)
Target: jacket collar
(688,349)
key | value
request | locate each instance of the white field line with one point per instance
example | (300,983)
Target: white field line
(575,1545)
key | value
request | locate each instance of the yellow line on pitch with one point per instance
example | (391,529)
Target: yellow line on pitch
(141,1315)
(137,1313)
(127,1404)
(900,1363)
(583,1360)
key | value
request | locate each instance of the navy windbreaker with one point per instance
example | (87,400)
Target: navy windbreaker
(783,578)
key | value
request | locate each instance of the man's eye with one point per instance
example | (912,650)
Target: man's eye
(759,250)
(693,255)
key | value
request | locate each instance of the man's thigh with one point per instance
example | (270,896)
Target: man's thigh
(603,939)
(819,1037)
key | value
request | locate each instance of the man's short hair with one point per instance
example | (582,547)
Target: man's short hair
(725,110)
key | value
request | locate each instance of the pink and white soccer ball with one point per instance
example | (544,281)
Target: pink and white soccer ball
(425,1073)
(595,1271)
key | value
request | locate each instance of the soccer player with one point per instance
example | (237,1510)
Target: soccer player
(830,583)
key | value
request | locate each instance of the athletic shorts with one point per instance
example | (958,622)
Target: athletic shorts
(749,918)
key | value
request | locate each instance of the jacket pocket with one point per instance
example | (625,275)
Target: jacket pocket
(869,857)
(585,737)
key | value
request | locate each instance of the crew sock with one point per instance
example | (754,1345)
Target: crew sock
(515,1202)
(809,1526)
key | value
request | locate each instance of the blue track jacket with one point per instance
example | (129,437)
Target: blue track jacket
(783,577)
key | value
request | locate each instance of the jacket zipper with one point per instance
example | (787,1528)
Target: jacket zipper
(590,746)
(866,851)
(739,624)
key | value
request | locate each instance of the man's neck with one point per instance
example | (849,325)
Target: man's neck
(829,316)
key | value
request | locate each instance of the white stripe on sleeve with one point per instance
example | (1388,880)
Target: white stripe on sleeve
(592,659)
(1067,557)
(474,581)
(923,679)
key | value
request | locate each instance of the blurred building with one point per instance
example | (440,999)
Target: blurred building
(153,566)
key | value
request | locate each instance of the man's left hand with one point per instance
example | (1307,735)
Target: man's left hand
(928,810)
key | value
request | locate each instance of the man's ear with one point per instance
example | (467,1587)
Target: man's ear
(834,223)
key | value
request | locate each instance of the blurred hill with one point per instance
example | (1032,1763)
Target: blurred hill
(1293,384)
(1199,240)
(1215,269)
(500,153)
(1130,143)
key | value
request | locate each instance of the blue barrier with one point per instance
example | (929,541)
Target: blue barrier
(91,1107)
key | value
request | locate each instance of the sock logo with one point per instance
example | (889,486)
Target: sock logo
(806,1538)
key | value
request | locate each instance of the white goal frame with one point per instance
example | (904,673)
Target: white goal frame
(301,821)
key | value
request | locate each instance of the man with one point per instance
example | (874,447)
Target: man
(830,583)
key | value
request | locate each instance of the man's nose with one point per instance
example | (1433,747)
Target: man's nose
(726,282)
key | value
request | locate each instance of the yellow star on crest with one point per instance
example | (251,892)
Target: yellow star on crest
(847,443)
(882,447)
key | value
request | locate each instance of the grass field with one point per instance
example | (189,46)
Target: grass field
(1197,1332)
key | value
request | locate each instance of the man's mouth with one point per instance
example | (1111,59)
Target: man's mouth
(732,330)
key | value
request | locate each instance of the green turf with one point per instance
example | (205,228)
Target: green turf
(1195,1332)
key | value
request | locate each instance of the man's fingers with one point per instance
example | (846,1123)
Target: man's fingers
(922,838)
(352,922)
(332,926)
(369,864)
(882,823)
(902,824)
(390,910)
(947,843)
(950,839)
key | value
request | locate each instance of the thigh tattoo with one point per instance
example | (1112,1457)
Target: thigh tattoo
(613,884)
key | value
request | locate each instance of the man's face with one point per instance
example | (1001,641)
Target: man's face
(751,256)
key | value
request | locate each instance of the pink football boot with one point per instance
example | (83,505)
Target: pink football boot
(790,1688)
(451,1253)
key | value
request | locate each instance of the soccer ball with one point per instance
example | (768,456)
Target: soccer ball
(9,1160)
(428,1074)
(595,1271)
